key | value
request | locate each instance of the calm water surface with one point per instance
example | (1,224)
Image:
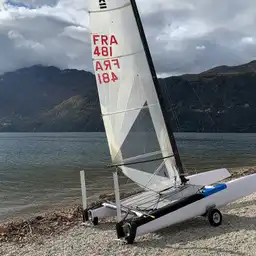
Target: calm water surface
(40,170)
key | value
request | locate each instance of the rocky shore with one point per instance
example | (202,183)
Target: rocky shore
(46,234)
(50,223)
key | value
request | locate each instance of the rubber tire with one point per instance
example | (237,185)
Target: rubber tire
(132,234)
(119,230)
(95,221)
(210,216)
(85,215)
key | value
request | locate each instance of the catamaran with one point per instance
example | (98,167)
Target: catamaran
(140,137)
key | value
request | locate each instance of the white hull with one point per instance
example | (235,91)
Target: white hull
(235,189)
(204,178)
(210,177)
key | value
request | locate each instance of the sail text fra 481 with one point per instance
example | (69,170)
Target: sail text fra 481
(103,48)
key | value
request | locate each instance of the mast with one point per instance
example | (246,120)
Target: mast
(158,91)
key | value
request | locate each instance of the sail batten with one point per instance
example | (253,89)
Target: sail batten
(127,110)
(126,163)
(142,156)
(110,10)
(132,115)
(121,56)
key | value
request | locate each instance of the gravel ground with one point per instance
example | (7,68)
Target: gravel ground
(236,236)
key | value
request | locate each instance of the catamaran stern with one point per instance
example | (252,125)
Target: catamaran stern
(205,203)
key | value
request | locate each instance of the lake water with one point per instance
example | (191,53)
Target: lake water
(41,170)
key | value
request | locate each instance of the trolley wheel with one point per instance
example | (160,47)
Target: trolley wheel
(85,215)
(129,232)
(119,230)
(214,217)
(95,221)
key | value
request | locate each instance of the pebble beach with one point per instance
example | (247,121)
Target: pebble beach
(62,233)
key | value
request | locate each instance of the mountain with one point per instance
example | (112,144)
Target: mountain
(245,68)
(47,99)
(218,100)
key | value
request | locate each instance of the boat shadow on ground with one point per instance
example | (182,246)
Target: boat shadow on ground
(105,225)
(177,236)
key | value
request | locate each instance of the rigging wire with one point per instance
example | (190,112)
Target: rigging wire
(201,102)
(169,101)
(170,104)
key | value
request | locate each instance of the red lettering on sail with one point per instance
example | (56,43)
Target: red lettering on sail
(95,38)
(103,51)
(98,66)
(114,77)
(105,68)
(113,40)
(104,45)
(107,77)
(105,65)
(116,63)
(104,40)
(96,51)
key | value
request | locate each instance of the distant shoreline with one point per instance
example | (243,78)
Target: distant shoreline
(207,132)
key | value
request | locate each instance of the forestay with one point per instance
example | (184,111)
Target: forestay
(134,124)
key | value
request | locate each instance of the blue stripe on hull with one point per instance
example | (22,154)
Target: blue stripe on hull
(214,189)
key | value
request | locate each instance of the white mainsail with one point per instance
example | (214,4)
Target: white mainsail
(135,128)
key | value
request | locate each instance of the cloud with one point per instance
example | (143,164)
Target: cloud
(224,30)
(19,4)
(184,36)
(48,35)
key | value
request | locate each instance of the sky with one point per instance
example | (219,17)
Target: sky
(185,36)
